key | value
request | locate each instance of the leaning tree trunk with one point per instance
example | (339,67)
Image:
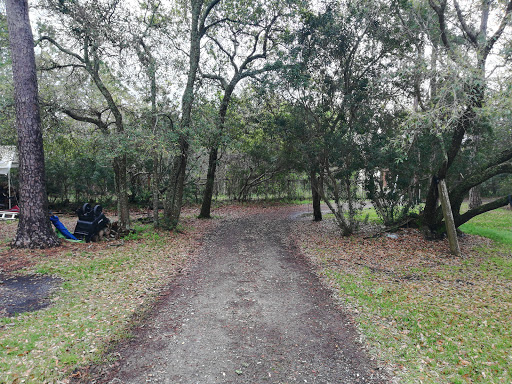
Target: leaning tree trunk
(34,230)
(432,218)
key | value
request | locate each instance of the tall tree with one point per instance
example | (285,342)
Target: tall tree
(339,88)
(34,230)
(147,33)
(91,33)
(200,23)
(460,117)
(245,45)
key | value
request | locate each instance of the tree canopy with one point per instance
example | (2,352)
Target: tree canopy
(158,103)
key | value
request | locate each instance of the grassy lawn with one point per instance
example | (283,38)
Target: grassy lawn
(104,286)
(431,317)
(495,225)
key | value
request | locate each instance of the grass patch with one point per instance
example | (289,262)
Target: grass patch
(369,212)
(495,225)
(433,318)
(104,286)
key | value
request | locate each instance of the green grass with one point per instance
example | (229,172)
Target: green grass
(103,287)
(452,323)
(369,212)
(495,225)
(143,232)
(459,336)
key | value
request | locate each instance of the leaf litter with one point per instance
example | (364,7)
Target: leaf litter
(432,317)
(106,286)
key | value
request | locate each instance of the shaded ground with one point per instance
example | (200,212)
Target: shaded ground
(20,293)
(249,311)
(25,293)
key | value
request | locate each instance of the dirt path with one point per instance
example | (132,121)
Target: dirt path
(248,311)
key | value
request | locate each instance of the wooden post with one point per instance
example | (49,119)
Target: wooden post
(448,218)
(9,185)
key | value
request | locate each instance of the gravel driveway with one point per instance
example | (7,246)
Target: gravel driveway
(249,310)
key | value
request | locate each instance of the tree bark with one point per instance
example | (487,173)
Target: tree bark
(122,191)
(210,181)
(475,197)
(174,197)
(155,193)
(317,199)
(151,71)
(212,161)
(448,218)
(34,229)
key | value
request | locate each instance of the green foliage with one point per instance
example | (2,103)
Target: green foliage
(7,127)
(77,172)
(257,160)
(358,95)
(337,124)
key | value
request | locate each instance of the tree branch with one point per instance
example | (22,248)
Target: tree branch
(499,31)
(61,66)
(223,82)
(86,119)
(440,10)
(266,68)
(477,178)
(465,217)
(467,30)
(208,9)
(229,55)
(60,48)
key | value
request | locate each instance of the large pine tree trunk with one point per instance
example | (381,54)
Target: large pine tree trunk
(34,229)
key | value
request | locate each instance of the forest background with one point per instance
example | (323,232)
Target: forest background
(159,103)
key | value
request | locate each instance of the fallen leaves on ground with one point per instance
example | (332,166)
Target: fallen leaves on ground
(105,285)
(431,316)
